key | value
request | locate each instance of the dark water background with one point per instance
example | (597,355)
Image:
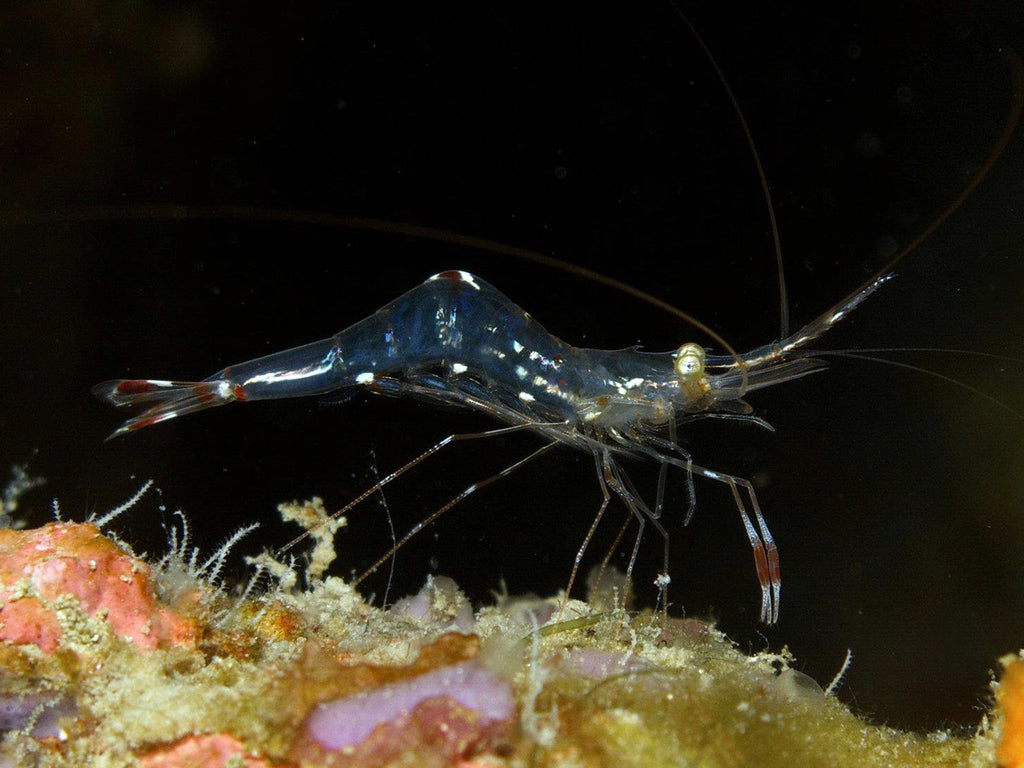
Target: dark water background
(604,138)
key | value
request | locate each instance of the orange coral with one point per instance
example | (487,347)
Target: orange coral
(1010,699)
(213,750)
(39,566)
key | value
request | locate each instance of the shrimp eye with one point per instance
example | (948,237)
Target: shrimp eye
(690,361)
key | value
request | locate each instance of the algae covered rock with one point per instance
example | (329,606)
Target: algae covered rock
(180,675)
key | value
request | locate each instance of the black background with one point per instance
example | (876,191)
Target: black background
(597,134)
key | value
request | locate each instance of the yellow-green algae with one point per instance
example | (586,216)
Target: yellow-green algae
(703,703)
(677,693)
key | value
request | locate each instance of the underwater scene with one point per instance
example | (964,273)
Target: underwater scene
(527,460)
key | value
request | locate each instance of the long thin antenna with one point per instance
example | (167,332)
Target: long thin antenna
(174,212)
(761,175)
(838,311)
(1013,63)
(171,212)
(927,372)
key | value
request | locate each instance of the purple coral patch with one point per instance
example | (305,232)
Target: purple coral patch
(440,602)
(350,720)
(16,712)
(597,664)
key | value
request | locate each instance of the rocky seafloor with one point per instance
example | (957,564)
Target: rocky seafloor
(109,660)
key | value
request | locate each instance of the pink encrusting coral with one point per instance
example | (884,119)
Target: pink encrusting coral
(41,567)
(212,750)
(350,720)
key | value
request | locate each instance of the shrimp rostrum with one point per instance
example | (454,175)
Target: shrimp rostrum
(456,339)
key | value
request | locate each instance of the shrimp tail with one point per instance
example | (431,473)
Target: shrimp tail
(167,399)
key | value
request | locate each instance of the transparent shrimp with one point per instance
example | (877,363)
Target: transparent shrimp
(456,339)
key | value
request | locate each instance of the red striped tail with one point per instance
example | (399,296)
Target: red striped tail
(166,399)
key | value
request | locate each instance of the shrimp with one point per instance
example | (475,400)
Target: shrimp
(456,339)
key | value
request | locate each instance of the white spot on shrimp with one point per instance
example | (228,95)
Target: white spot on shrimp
(273,377)
(526,397)
(517,346)
(364,378)
(521,372)
(459,368)
(468,278)
(634,382)
(540,381)
(534,355)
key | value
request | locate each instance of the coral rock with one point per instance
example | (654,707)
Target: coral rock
(42,566)
(207,751)
(1010,698)
(483,695)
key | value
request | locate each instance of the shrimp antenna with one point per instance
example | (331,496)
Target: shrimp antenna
(172,212)
(939,350)
(827,319)
(761,175)
(1013,64)
(927,371)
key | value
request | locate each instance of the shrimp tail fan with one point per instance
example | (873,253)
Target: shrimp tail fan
(166,399)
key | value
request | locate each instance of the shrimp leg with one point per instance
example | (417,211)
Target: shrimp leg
(606,498)
(766,553)
(467,491)
(395,474)
(620,482)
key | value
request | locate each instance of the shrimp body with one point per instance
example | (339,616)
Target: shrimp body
(458,336)
(456,339)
